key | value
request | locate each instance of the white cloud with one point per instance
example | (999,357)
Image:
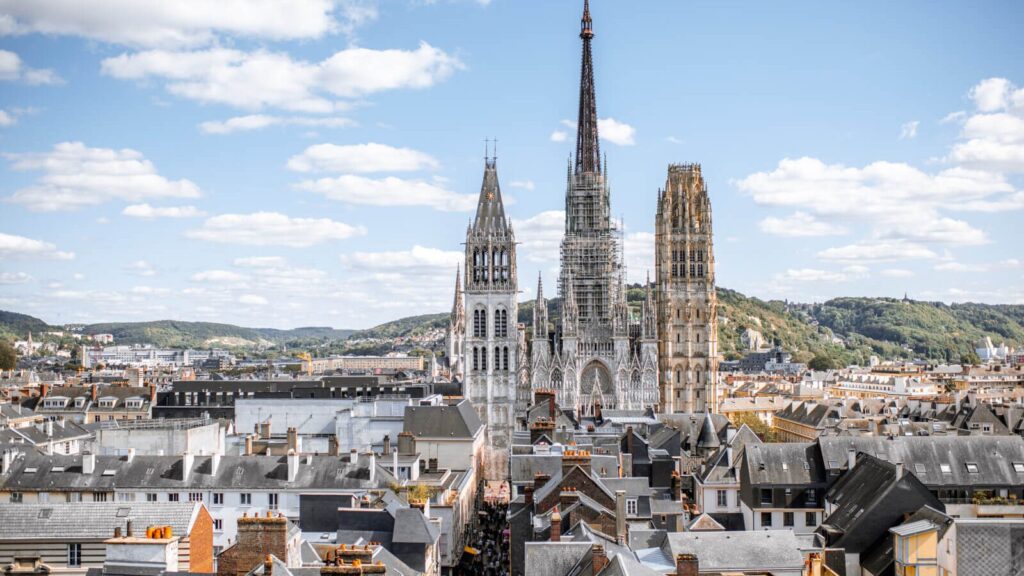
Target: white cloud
(953,117)
(389,192)
(12,246)
(673,140)
(402,281)
(272,229)
(639,253)
(260,262)
(14,278)
(896,273)
(880,251)
(815,275)
(142,268)
(12,69)
(75,176)
(149,212)
(260,121)
(524,184)
(416,261)
(993,137)
(261,79)
(799,225)
(559,136)
(361,158)
(908,131)
(954,266)
(616,132)
(218,276)
(185,22)
(540,236)
(7,119)
(149,290)
(253,300)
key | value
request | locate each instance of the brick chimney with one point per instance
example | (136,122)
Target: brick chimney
(620,517)
(687,565)
(556,526)
(541,427)
(152,393)
(265,430)
(571,458)
(406,443)
(92,393)
(258,536)
(332,446)
(528,494)
(629,439)
(677,486)
(540,479)
(293,439)
(248,444)
(44,389)
(598,558)
(387,445)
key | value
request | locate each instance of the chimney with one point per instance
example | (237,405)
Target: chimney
(528,494)
(248,444)
(422,505)
(92,393)
(540,427)
(406,443)
(152,394)
(387,445)
(332,446)
(188,460)
(293,465)
(368,460)
(258,536)
(540,479)
(88,463)
(556,526)
(899,470)
(49,428)
(599,558)
(620,517)
(293,439)
(128,528)
(8,458)
(265,430)
(573,458)
(851,458)
(268,565)
(130,456)
(677,486)
(687,565)
(629,439)
(44,389)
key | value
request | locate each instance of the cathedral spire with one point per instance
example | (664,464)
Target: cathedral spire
(490,211)
(588,152)
(540,312)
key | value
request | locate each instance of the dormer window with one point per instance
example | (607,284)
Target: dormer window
(108,402)
(946,469)
(79,402)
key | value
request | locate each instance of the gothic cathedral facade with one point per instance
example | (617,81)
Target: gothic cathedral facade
(687,301)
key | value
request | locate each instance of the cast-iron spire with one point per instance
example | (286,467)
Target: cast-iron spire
(588,152)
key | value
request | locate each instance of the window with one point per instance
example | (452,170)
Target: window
(972,467)
(218,525)
(766,519)
(74,497)
(125,497)
(476,359)
(195,496)
(245,499)
(812,496)
(479,323)
(1018,467)
(766,496)
(151,497)
(945,468)
(810,519)
(99,497)
(272,501)
(483,359)
(74,554)
(787,519)
(16,497)
(504,359)
(723,498)
(631,507)
(218,498)
(172,496)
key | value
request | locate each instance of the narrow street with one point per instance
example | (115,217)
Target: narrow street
(488,539)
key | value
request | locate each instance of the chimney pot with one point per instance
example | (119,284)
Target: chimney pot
(687,565)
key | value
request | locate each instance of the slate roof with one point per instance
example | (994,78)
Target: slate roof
(785,464)
(444,421)
(525,466)
(767,550)
(623,565)
(990,546)
(36,472)
(411,527)
(91,520)
(554,558)
(925,456)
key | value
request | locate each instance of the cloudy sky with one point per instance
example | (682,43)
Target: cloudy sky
(315,162)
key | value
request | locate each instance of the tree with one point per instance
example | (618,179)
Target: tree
(8,357)
(821,362)
(970,358)
(763,431)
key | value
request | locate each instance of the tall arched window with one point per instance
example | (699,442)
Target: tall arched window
(504,359)
(483,358)
(476,358)
(479,323)
(501,323)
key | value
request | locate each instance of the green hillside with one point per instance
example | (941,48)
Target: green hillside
(17,326)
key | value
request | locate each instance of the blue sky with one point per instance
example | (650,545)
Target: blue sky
(315,162)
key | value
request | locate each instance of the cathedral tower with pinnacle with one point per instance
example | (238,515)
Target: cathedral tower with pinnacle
(687,304)
(599,356)
(491,339)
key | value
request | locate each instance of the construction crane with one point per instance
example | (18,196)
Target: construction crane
(307,362)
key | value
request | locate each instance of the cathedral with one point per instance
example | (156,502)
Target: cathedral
(600,353)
